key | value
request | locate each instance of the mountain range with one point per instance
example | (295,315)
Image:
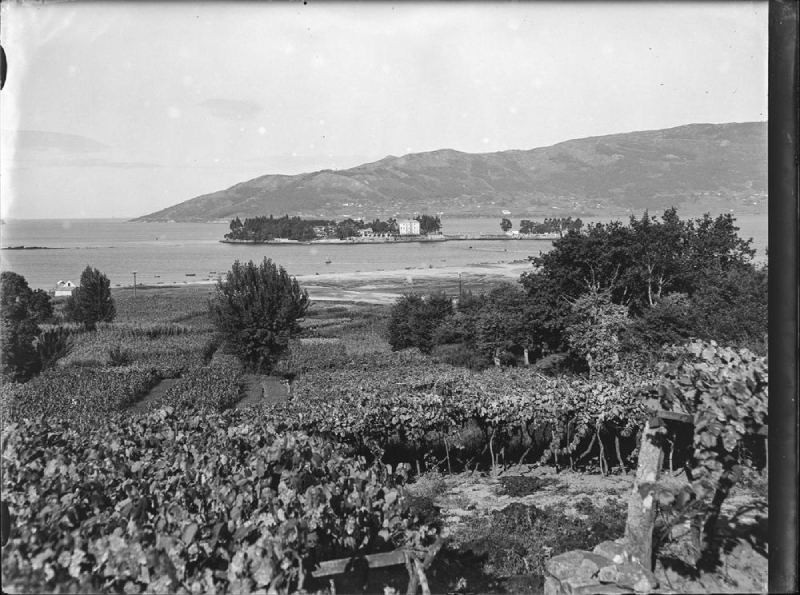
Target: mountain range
(697,168)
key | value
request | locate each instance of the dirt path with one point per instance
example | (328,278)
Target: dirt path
(262,389)
(153,396)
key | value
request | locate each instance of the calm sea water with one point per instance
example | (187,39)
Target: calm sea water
(169,253)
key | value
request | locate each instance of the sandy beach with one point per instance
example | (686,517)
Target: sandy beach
(383,286)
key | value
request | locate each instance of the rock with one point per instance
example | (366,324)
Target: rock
(579,583)
(613,550)
(552,586)
(596,589)
(577,563)
(608,574)
(564,565)
(636,577)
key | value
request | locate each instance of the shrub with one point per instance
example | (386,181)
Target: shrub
(22,310)
(209,349)
(257,309)
(117,356)
(595,325)
(91,302)
(668,322)
(53,344)
(19,300)
(552,364)
(413,320)
(460,355)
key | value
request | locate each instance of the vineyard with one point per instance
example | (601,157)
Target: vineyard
(190,494)
(212,502)
(429,407)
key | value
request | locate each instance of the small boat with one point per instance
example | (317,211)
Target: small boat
(328,261)
(190,274)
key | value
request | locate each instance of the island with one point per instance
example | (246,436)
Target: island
(288,230)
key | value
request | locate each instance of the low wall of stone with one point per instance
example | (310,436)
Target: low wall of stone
(608,569)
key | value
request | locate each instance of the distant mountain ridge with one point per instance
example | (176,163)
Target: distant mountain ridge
(697,168)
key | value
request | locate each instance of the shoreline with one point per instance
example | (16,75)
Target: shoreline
(396,240)
(382,286)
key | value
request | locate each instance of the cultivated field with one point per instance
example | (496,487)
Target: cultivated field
(147,460)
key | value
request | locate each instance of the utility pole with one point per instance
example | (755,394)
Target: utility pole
(134,283)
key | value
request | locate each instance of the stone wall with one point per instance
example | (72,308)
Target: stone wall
(608,569)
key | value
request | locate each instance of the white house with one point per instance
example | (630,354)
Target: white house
(409,227)
(64,288)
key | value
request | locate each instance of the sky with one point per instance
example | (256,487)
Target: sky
(125,108)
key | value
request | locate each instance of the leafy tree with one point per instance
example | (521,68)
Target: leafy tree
(460,326)
(19,300)
(551,225)
(594,329)
(257,308)
(506,224)
(348,228)
(731,307)
(547,311)
(21,311)
(413,321)
(429,224)
(647,260)
(19,357)
(402,329)
(266,229)
(91,302)
(670,321)
(503,327)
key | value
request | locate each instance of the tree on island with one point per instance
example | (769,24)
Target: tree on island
(257,309)
(506,224)
(348,228)
(428,224)
(552,225)
(91,302)
(385,227)
(266,229)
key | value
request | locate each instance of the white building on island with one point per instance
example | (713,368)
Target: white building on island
(409,227)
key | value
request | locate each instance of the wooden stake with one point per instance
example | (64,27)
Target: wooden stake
(642,506)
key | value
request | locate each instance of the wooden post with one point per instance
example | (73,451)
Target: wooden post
(642,506)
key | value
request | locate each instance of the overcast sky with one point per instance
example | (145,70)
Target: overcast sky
(118,110)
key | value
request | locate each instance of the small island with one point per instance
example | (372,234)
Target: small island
(294,230)
(423,228)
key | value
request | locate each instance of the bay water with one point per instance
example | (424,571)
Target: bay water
(178,253)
